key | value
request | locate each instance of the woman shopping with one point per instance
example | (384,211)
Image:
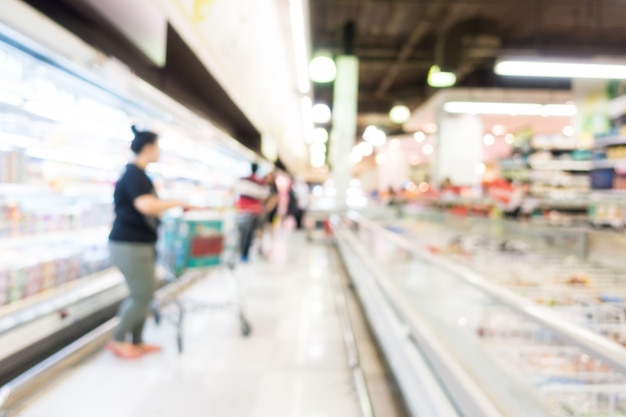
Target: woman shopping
(132,244)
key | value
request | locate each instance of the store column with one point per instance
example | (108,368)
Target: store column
(344,125)
(458,149)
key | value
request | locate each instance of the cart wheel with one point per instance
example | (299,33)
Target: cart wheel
(179,342)
(246,329)
(156,313)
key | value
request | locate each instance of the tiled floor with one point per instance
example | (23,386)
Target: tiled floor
(293,365)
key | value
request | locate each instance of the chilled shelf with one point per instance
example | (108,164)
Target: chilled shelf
(603,142)
(561,165)
(610,163)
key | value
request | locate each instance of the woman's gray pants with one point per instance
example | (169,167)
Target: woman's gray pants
(136,261)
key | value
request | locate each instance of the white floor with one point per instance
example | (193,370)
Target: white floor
(294,363)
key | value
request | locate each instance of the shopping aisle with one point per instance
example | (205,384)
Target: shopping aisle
(294,364)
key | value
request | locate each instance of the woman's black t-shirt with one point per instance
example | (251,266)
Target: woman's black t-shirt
(130,225)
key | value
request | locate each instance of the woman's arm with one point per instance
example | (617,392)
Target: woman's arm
(150,205)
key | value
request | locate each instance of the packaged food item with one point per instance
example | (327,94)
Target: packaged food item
(4,285)
(48,274)
(33,282)
(17,280)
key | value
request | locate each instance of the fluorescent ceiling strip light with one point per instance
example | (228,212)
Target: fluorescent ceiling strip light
(440,79)
(510,109)
(300,45)
(306,108)
(531,68)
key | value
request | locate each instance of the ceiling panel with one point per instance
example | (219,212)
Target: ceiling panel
(384,27)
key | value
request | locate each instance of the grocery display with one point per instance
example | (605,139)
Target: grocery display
(525,356)
(64,140)
(588,294)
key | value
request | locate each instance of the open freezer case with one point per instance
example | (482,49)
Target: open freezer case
(579,289)
(461,345)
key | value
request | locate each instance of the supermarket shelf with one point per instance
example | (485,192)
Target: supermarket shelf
(51,237)
(19,190)
(32,308)
(557,165)
(612,194)
(609,141)
(609,163)
(576,203)
(27,325)
(514,164)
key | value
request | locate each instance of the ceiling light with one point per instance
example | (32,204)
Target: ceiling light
(322,69)
(355,158)
(400,114)
(427,149)
(498,130)
(430,128)
(510,138)
(370,129)
(300,45)
(318,148)
(565,110)
(306,108)
(318,160)
(419,136)
(375,136)
(365,148)
(510,109)
(439,79)
(568,131)
(10,98)
(320,135)
(488,139)
(573,69)
(381,159)
(321,113)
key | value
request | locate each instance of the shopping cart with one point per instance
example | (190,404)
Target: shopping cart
(191,245)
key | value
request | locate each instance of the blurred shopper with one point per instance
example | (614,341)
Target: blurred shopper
(252,192)
(271,204)
(132,244)
(301,195)
(396,202)
(270,215)
(520,204)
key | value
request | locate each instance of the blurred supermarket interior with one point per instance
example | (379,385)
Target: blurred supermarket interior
(448,180)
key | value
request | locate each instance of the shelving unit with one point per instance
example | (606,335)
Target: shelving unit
(560,165)
(603,142)
(67,143)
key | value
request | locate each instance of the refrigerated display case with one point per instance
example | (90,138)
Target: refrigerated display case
(64,141)
(489,351)
(546,265)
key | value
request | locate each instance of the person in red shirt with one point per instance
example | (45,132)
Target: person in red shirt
(252,194)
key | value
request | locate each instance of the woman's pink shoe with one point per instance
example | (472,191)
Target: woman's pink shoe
(124,350)
(146,349)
